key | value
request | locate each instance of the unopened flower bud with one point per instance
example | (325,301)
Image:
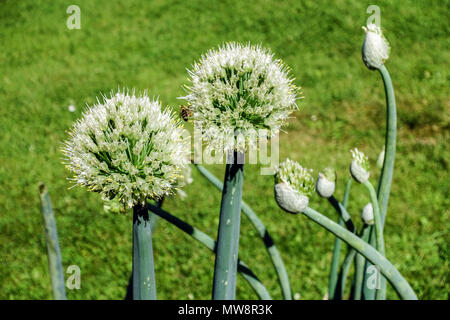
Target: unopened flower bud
(375,50)
(359,168)
(293,186)
(367,214)
(326,183)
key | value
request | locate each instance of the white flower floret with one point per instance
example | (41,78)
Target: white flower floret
(239,89)
(367,214)
(375,49)
(293,186)
(359,168)
(127,148)
(326,183)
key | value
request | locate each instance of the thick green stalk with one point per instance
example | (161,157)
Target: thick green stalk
(332,283)
(144,287)
(359,266)
(342,211)
(387,269)
(264,235)
(387,171)
(377,217)
(53,251)
(343,275)
(207,241)
(225,268)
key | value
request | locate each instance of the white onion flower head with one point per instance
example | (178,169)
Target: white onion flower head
(375,49)
(367,214)
(293,186)
(126,148)
(359,168)
(239,89)
(326,183)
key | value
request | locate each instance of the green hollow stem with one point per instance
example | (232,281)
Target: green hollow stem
(225,268)
(377,217)
(342,211)
(359,266)
(208,242)
(399,283)
(387,171)
(345,269)
(144,286)
(53,250)
(334,269)
(274,254)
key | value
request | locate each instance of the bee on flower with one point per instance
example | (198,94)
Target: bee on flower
(237,90)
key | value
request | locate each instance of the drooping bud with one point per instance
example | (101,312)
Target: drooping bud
(359,167)
(375,50)
(293,186)
(326,183)
(367,214)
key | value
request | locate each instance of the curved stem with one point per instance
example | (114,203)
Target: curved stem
(391,136)
(225,268)
(264,235)
(345,269)
(144,286)
(333,280)
(53,250)
(342,211)
(387,171)
(387,269)
(208,242)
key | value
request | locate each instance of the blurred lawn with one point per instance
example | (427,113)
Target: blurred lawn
(44,67)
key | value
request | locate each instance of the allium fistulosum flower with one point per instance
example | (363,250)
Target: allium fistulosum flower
(293,186)
(239,89)
(326,183)
(375,49)
(359,168)
(127,148)
(367,214)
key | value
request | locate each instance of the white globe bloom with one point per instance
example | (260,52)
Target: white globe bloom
(293,186)
(359,168)
(127,149)
(326,183)
(367,214)
(375,49)
(238,89)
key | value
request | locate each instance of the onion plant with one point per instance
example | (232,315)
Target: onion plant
(129,150)
(134,154)
(235,91)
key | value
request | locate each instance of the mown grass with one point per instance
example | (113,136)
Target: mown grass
(44,67)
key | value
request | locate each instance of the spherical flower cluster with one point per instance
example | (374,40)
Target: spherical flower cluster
(375,49)
(359,168)
(239,89)
(127,149)
(367,214)
(326,183)
(293,186)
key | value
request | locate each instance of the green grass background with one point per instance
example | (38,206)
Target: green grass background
(44,67)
